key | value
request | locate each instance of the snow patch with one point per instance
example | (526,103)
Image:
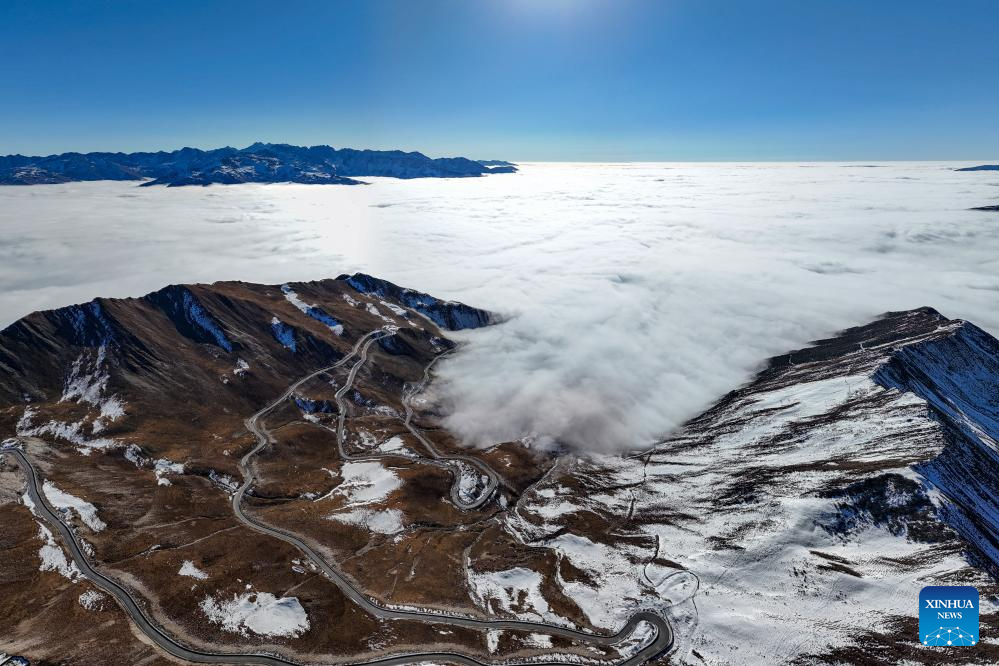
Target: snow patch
(197,316)
(223,481)
(53,558)
(259,613)
(492,640)
(384,521)
(538,640)
(86,382)
(615,577)
(373,309)
(133,454)
(514,591)
(366,482)
(283,333)
(63,500)
(313,311)
(162,467)
(188,569)
(92,600)
(395,308)
(71,432)
(644,634)
(395,445)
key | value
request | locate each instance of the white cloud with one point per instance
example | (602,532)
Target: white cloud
(638,293)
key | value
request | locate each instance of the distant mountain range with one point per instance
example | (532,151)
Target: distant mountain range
(259,163)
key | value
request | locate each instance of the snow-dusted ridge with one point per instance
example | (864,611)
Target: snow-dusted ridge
(257,163)
(449,315)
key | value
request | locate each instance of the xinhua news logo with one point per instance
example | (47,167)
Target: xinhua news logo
(948,615)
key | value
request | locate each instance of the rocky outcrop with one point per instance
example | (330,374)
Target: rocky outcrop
(958,377)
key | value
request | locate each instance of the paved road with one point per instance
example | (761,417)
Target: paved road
(492,478)
(123,596)
(458,465)
(662,643)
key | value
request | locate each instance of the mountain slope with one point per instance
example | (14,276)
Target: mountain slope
(796,520)
(133,410)
(793,522)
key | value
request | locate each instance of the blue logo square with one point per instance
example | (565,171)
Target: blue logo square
(948,615)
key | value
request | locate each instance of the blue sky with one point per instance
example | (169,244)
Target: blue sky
(522,79)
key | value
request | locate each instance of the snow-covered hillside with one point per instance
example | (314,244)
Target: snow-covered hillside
(799,517)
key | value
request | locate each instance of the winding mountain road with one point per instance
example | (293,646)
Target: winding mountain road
(492,479)
(460,466)
(662,642)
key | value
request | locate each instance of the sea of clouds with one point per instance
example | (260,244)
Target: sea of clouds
(636,294)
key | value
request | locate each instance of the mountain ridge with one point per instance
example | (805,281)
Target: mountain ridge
(257,163)
(199,312)
(812,501)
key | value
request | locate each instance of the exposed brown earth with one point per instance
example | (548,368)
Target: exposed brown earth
(138,407)
(113,397)
(39,606)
